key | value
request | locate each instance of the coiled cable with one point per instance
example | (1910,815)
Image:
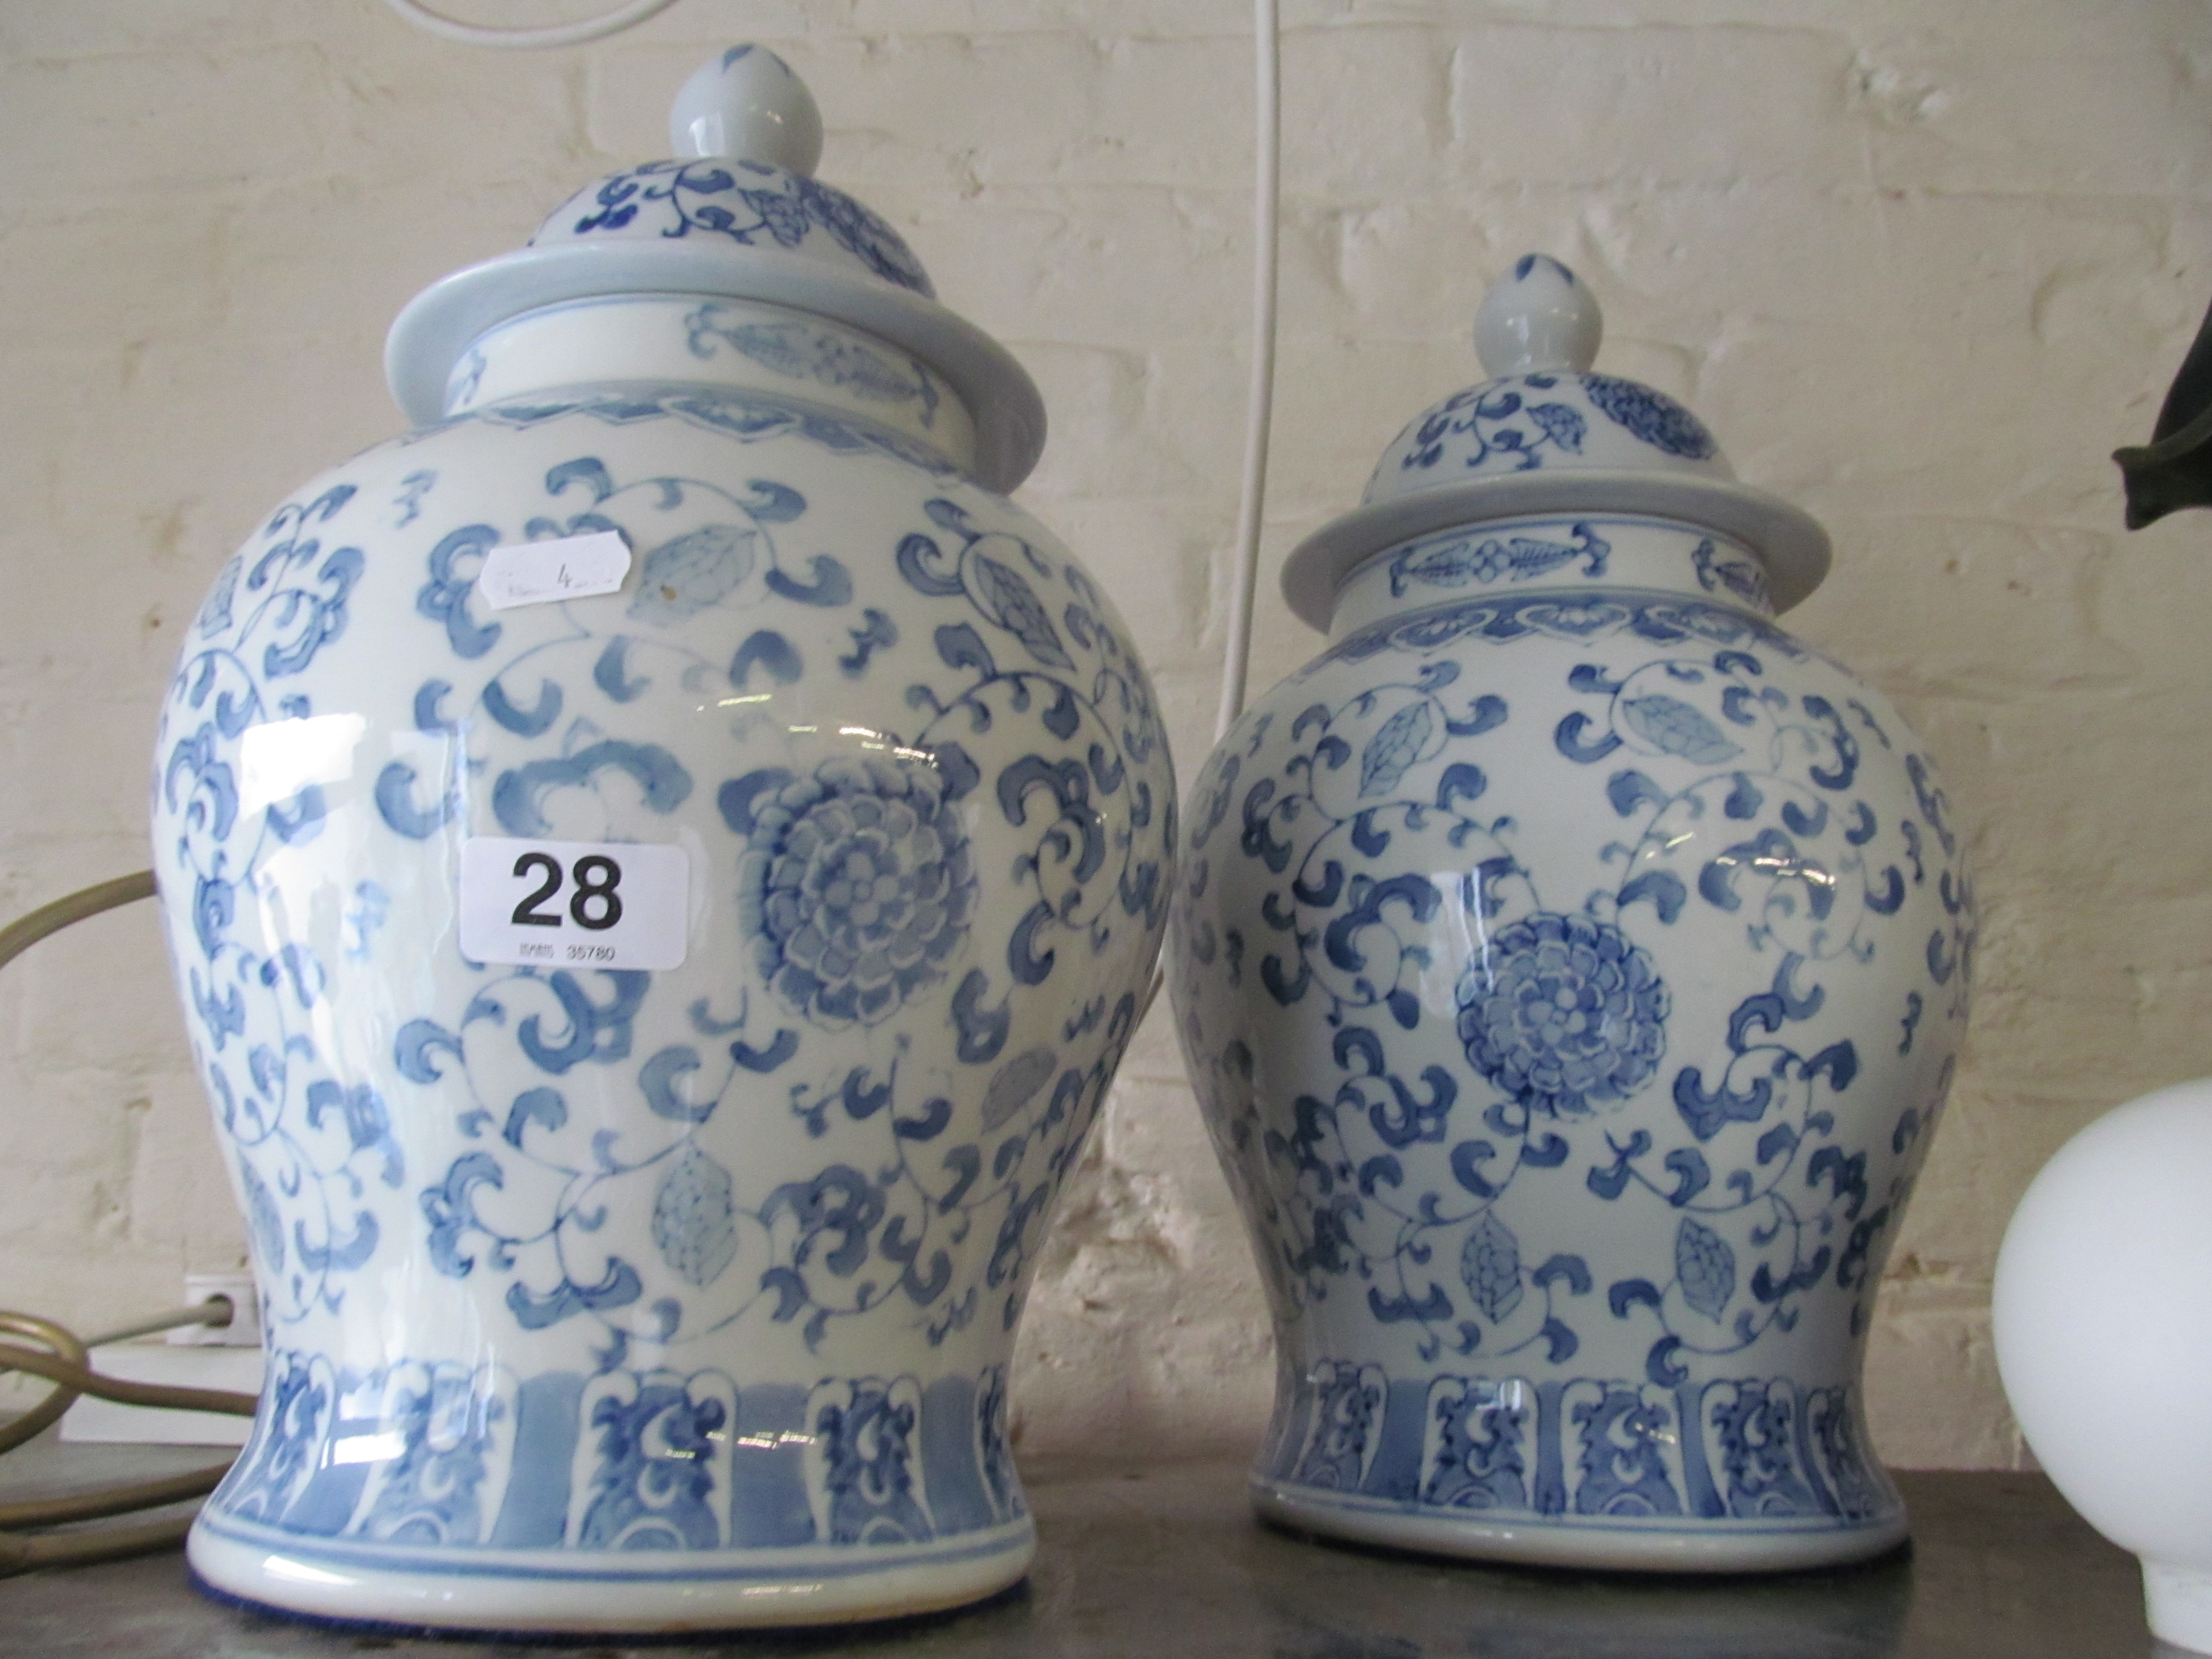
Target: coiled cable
(64,1359)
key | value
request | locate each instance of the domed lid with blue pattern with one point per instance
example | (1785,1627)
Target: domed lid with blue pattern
(1548,433)
(738,215)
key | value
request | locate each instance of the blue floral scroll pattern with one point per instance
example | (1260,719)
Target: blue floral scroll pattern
(1478,1446)
(864,1468)
(1414,1186)
(925,1212)
(1346,1426)
(657,1453)
(299,1398)
(1529,422)
(1502,420)
(628,1459)
(1594,1449)
(874,1241)
(310,1135)
(1460,558)
(752,205)
(857,885)
(1660,619)
(445,1437)
(1351,841)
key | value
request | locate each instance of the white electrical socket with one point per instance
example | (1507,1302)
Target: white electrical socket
(192,1357)
(244,1330)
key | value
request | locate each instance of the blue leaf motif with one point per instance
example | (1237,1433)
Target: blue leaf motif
(682,578)
(1651,415)
(261,1216)
(1016,1084)
(1448,564)
(691,1217)
(1490,1266)
(1394,748)
(1527,556)
(1005,596)
(1562,422)
(1706,1267)
(1672,726)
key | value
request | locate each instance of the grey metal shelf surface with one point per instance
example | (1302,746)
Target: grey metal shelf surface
(1142,1561)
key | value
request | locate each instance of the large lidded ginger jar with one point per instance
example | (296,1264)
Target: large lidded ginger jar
(661,862)
(1571,966)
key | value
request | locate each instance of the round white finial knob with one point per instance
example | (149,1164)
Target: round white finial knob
(747,106)
(1537,318)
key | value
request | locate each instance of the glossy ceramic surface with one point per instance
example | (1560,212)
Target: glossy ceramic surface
(1571,966)
(602,1298)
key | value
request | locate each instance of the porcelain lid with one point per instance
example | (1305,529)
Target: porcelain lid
(1546,433)
(738,214)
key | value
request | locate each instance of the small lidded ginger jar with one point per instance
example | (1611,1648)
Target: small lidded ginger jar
(1571,966)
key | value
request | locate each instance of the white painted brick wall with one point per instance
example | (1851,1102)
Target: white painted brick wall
(1921,264)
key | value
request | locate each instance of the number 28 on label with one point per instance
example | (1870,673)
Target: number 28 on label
(574,904)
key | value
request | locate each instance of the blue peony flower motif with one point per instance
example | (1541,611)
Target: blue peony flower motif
(857,885)
(1562,1013)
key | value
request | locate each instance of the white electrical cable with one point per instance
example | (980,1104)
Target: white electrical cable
(1259,402)
(1266,195)
(216,1311)
(27,1540)
(552,34)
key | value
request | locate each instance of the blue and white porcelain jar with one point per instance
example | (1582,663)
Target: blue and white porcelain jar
(662,862)
(1571,966)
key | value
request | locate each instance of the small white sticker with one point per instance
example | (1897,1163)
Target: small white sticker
(575,903)
(539,573)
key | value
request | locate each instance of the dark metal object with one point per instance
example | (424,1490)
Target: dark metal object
(1164,1561)
(2175,469)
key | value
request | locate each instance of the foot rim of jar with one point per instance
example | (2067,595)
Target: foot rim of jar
(1667,1545)
(314,1579)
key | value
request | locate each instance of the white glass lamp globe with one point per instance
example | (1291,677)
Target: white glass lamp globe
(2103,1323)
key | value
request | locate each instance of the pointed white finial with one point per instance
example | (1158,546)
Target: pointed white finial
(1536,318)
(746,105)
